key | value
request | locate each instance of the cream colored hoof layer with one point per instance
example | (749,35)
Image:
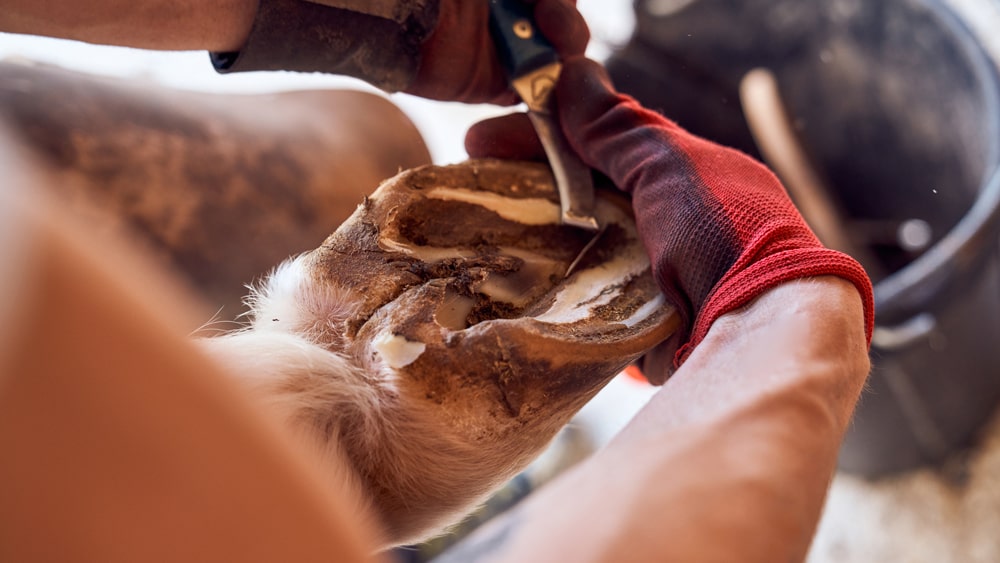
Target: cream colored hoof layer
(436,339)
(461,269)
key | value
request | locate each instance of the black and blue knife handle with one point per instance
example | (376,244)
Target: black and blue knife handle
(521,47)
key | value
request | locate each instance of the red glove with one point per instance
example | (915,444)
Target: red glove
(459,61)
(719,227)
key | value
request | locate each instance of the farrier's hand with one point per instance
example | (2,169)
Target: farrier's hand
(459,60)
(719,227)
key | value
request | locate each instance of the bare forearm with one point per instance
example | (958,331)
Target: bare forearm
(215,25)
(730,461)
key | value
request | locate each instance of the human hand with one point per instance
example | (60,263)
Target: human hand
(459,60)
(719,227)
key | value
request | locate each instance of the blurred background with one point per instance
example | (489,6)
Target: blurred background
(443,125)
(896,105)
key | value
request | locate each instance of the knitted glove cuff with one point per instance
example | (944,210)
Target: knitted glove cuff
(740,289)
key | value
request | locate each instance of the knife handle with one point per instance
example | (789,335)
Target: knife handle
(521,47)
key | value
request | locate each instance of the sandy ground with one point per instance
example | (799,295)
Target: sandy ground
(923,516)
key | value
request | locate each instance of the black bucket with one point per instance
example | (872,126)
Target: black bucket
(899,107)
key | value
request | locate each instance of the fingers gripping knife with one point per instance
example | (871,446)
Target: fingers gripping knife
(533,67)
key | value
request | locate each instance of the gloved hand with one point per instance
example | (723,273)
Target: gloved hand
(459,61)
(719,227)
(441,49)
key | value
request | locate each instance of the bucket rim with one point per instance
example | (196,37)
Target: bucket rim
(930,279)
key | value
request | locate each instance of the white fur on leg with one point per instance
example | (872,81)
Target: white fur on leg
(310,390)
(289,301)
(413,475)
